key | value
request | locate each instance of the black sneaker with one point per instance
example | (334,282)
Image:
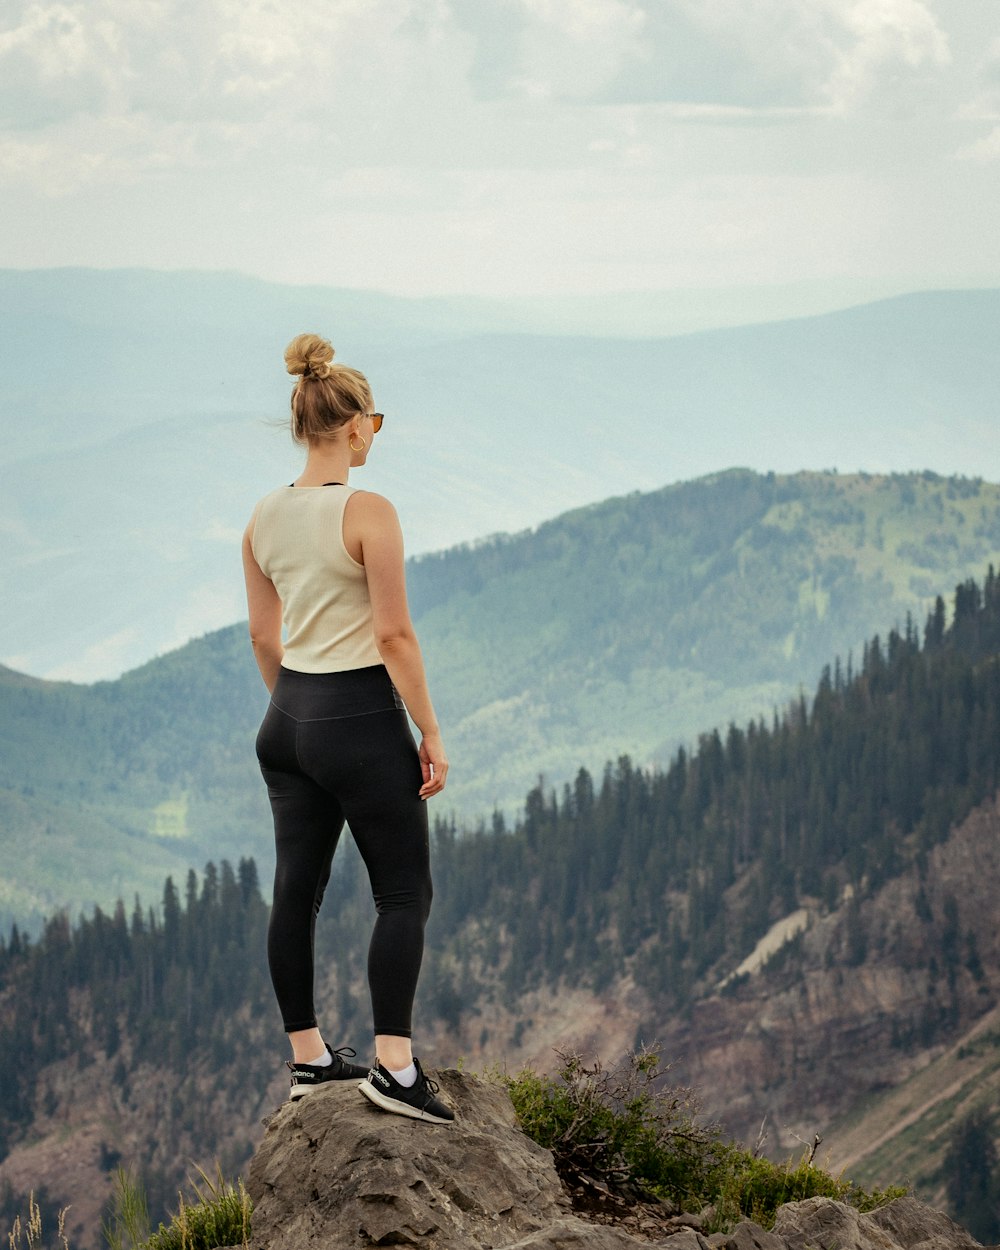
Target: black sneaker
(308,1076)
(418,1101)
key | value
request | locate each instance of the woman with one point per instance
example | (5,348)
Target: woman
(324,570)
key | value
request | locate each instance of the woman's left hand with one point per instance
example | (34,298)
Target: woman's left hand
(433,765)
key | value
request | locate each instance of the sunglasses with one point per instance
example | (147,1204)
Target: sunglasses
(377,419)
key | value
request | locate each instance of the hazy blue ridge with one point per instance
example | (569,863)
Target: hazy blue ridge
(129,471)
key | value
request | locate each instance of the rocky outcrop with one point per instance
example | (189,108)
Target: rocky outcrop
(335,1172)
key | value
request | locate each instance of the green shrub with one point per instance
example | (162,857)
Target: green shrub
(621,1130)
(754,1188)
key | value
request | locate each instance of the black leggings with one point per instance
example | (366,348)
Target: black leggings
(336,747)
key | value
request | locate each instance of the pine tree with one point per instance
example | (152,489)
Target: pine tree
(972,1171)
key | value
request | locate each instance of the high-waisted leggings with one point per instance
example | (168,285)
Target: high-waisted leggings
(335,747)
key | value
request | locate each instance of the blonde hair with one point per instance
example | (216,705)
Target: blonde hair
(326,395)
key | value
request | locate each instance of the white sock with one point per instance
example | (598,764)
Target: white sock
(323,1061)
(406,1078)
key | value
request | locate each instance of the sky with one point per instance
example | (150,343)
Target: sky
(507,148)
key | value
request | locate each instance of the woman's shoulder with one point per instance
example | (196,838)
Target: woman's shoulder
(367,502)
(279,492)
(370,518)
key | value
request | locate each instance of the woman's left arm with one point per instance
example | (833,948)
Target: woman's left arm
(265,614)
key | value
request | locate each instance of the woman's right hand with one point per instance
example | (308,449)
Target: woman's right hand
(433,765)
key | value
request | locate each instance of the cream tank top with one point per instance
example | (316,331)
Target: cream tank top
(326,612)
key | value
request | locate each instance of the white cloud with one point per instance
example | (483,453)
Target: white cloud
(984,105)
(54,64)
(747,54)
(572,49)
(983,150)
(887,39)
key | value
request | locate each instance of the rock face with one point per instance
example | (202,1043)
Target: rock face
(336,1172)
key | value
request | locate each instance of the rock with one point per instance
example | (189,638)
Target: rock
(336,1173)
(747,1236)
(918,1227)
(572,1233)
(687,1239)
(905,1224)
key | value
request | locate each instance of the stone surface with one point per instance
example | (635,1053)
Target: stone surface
(333,1171)
(821,1224)
(747,1236)
(571,1233)
(918,1227)
(686,1239)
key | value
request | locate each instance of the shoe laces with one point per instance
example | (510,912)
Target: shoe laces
(341,1053)
(431,1087)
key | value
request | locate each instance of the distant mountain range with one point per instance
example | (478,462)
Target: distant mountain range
(630,626)
(142,419)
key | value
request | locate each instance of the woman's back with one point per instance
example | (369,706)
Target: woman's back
(297,540)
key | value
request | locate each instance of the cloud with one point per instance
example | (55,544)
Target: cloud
(984,150)
(54,64)
(884,39)
(984,104)
(748,54)
(554,49)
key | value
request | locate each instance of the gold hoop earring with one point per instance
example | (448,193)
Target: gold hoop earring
(350,443)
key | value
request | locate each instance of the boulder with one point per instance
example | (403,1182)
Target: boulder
(905,1224)
(917,1227)
(747,1236)
(336,1171)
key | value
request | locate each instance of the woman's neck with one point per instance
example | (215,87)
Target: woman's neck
(326,462)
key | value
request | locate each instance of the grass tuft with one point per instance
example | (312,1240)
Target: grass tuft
(220,1216)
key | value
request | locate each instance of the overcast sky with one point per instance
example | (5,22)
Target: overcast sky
(506,146)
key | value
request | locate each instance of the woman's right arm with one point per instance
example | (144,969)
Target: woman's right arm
(265,613)
(374,520)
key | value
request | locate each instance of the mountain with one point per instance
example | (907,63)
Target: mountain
(142,414)
(625,627)
(800,915)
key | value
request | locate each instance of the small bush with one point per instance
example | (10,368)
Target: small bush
(754,1188)
(619,1132)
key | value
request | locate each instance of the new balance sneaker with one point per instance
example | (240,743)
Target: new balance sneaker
(419,1101)
(308,1076)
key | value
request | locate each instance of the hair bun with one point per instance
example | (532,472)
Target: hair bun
(309,355)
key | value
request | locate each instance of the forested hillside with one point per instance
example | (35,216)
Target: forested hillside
(623,628)
(644,889)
